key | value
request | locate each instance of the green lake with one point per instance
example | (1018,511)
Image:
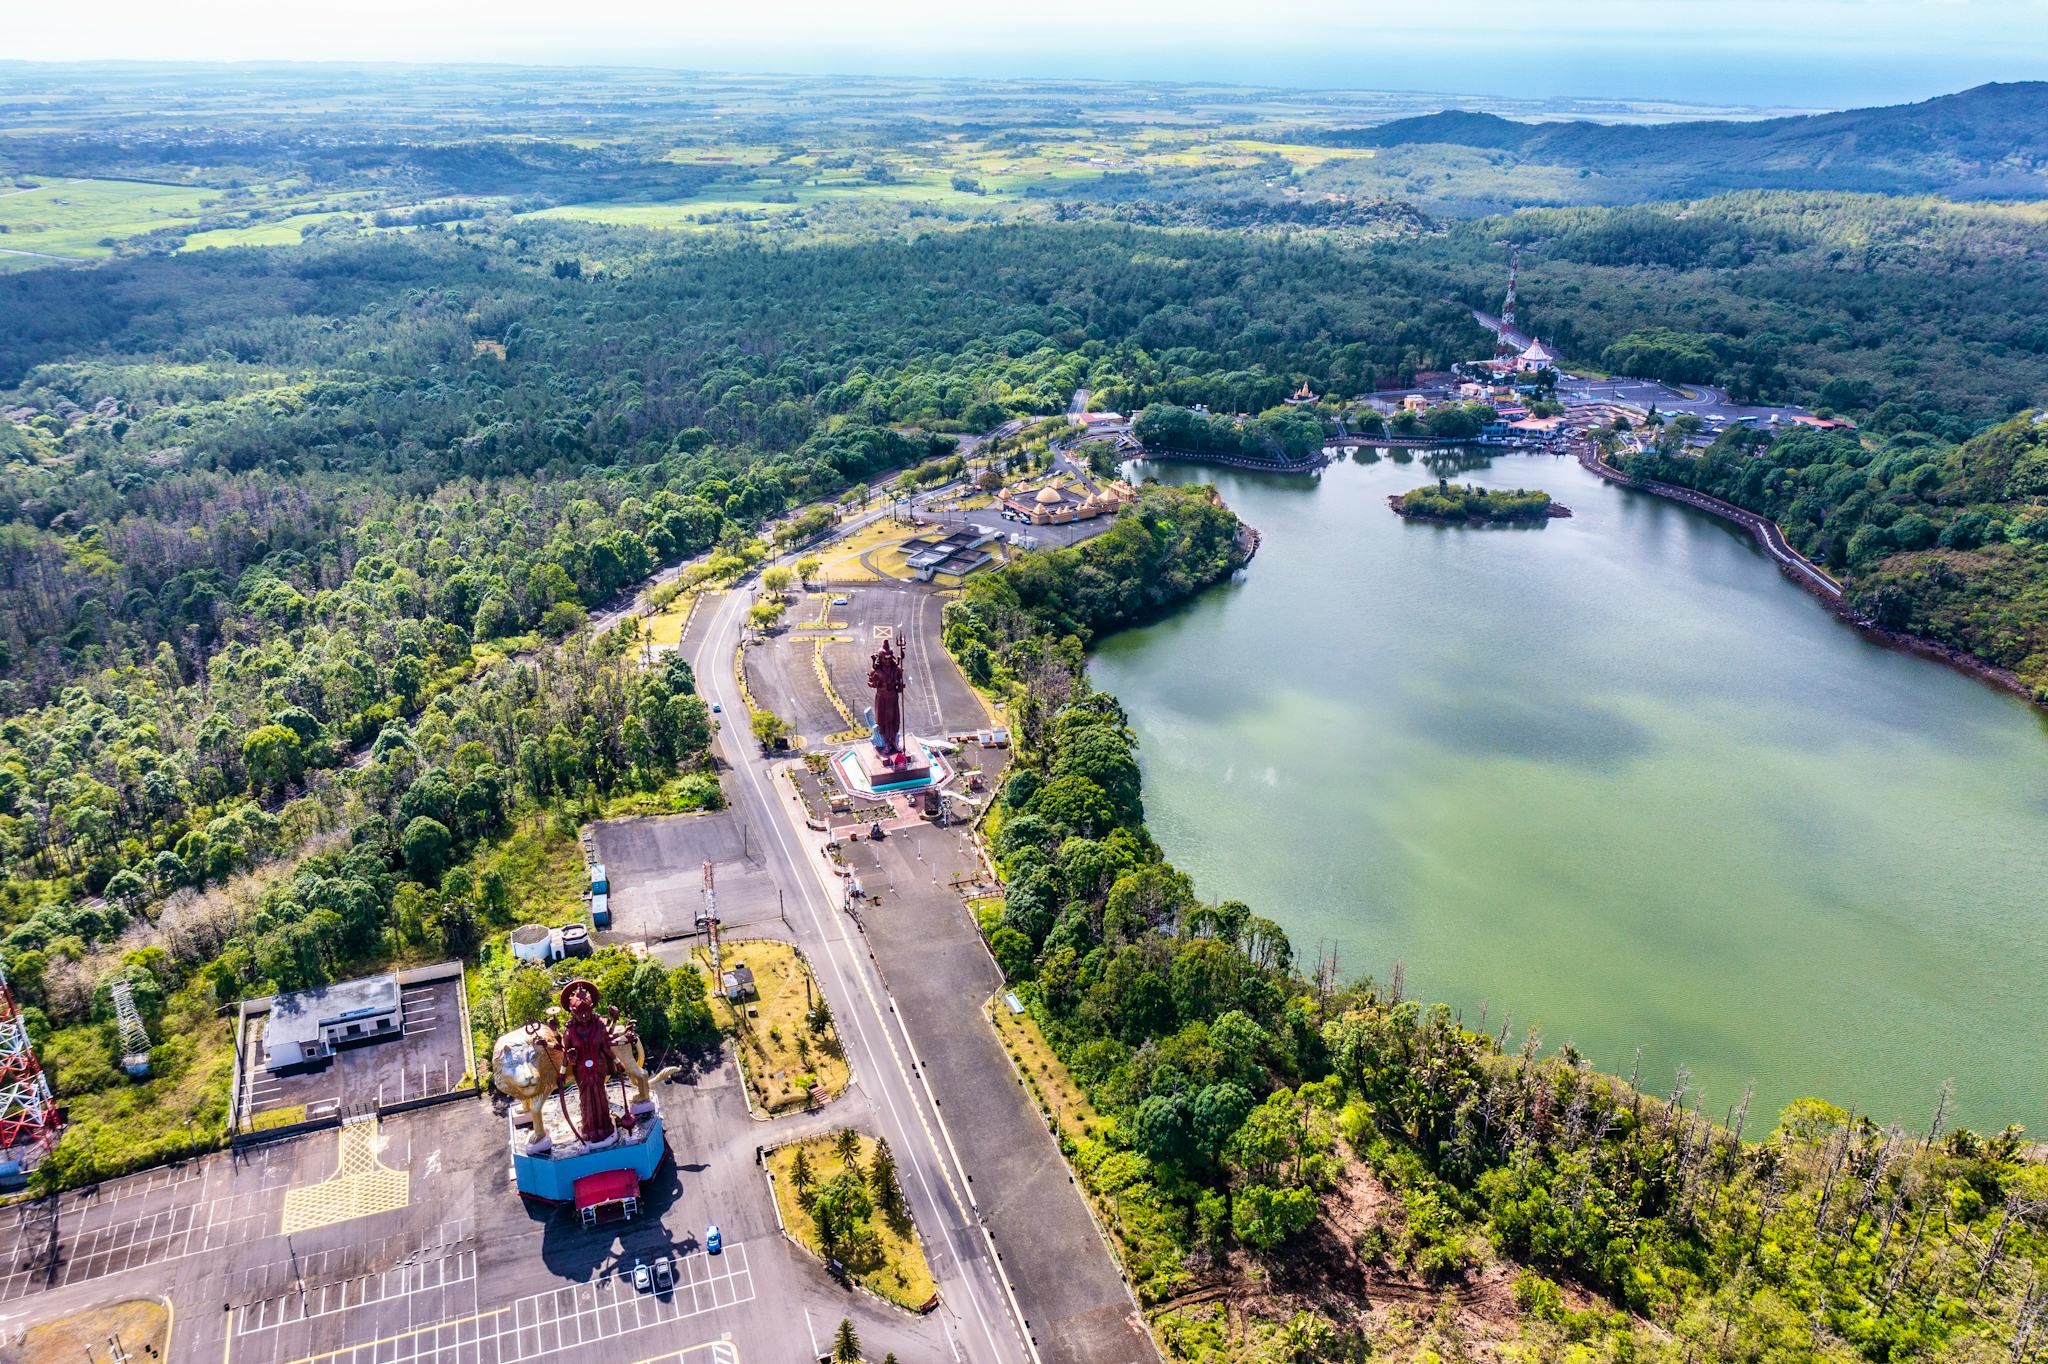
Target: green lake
(1616,775)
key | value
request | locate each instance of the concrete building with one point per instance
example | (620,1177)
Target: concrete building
(1535,356)
(308,1026)
(954,555)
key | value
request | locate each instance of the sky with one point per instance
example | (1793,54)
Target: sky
(1778,53)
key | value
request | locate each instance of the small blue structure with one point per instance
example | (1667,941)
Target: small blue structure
(599,883)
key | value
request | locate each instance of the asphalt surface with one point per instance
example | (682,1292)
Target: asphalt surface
(1072,1293)
(464,1271)
(976,1300)
(938,977)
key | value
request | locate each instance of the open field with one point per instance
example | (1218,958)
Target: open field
(142,1327)
(1049,1079)
(80,219)
(771,1029)
(281,232)
(894,1265)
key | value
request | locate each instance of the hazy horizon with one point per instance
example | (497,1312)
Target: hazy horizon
(1833,54)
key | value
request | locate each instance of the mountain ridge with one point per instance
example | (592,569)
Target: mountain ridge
(1990,141)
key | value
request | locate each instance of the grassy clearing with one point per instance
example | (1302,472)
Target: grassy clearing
(685,794)
(281,232)
(114,1124)
(543,870)
(144,1327)
(784,1057)
(843,565)
(890,1262)
(666,625)
(1053,1086)
(80,219)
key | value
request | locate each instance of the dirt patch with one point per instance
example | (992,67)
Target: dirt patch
(143,1325)
(1322,1272)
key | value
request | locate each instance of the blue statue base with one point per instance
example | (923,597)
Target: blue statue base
(551,1174)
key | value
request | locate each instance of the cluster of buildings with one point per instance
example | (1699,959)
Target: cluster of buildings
(1064,495)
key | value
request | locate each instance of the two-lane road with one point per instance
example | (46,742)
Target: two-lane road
(970,1285)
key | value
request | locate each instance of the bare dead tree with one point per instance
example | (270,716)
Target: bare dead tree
(1941,1103)
(2031,1321)
(1839,1147)
(1905,1261)
(1397,982)
(2017,1209)
(1880,1165)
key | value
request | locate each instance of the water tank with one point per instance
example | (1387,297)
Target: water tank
(531,942)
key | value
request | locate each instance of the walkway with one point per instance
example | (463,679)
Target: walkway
(1763,528)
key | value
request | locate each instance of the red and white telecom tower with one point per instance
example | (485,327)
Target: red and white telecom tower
(28,1112)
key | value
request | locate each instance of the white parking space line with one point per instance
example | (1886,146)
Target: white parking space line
(426,1279)
(169,1234)
(548,1324)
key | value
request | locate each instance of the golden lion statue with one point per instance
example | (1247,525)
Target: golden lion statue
(526,1066)
(631,1059)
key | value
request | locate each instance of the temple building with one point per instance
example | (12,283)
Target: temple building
(1064,497)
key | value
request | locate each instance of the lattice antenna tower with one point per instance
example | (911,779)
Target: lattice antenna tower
(28,1112)
(134,1036)
(707,917)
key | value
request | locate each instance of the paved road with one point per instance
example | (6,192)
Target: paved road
(972,1288)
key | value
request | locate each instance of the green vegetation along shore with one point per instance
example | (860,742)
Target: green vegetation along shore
(1297,1167)
(1941,543)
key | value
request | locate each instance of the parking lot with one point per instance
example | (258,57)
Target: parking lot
(430,1312)
(782,670)
(656,870)
(429,1057)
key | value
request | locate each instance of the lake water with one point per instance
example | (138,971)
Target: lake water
(1615,774)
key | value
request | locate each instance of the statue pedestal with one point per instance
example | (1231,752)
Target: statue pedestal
(863,771)
(550,1173)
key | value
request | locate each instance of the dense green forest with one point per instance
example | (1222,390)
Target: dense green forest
(300,544)
(1250,1101)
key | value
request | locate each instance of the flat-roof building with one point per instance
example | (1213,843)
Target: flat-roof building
(308,1025)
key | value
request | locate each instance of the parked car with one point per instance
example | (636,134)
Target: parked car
(643,1277)
(714,1240)
(664,1274)
(841,601)
(717,709)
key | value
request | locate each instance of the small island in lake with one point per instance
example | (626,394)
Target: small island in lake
(1458,502)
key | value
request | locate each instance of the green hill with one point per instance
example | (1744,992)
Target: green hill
(1987,142)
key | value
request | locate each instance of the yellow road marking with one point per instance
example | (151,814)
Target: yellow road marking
(361,1185)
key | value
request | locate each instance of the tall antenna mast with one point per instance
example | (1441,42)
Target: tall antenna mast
(28,1111)
(134,1036)
(707,918)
